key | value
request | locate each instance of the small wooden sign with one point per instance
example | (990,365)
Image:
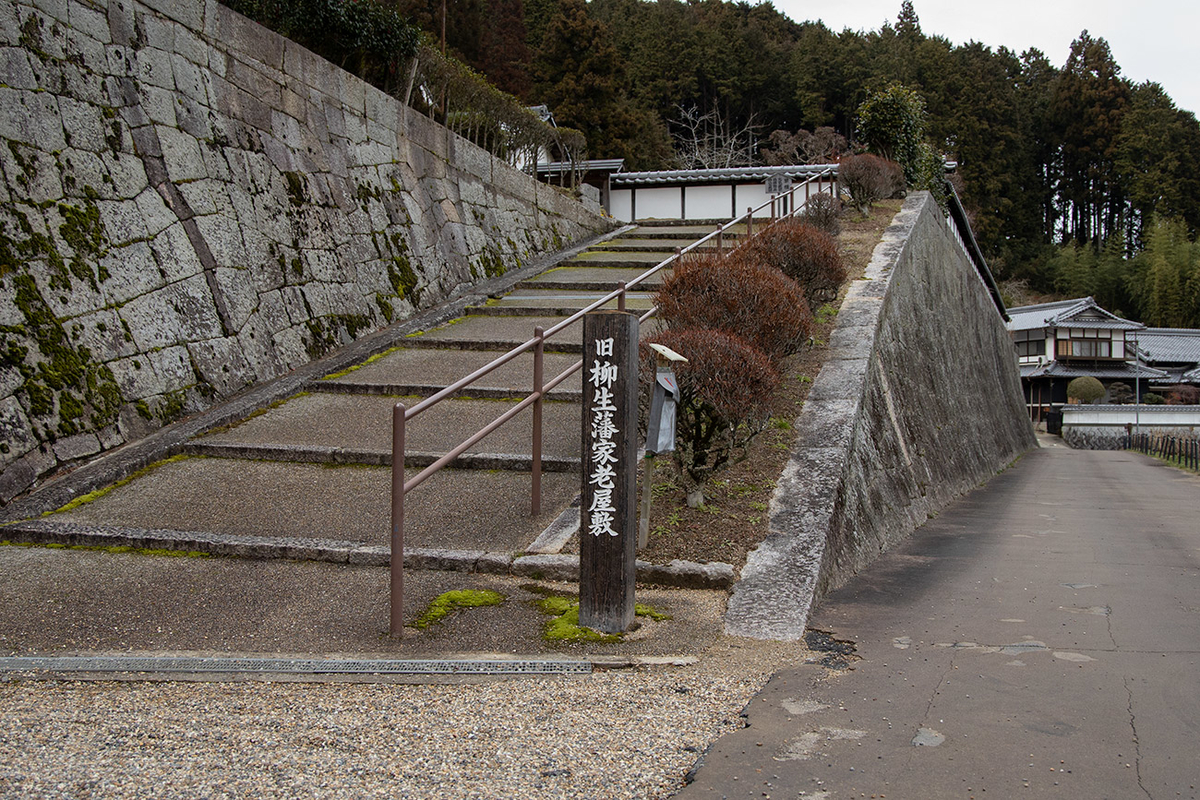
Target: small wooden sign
(608,523)
(779,184)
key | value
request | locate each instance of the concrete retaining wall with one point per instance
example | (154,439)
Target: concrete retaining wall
(919,401)
(192,204)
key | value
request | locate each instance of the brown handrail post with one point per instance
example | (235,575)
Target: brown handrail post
(621,298)
(749,223)
(396,557)
(539,350)
(720,235)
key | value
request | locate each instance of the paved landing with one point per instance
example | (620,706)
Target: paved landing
(1039,638)
(455,509)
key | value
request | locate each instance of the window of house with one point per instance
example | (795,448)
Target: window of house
(1030,343)
(1084,343)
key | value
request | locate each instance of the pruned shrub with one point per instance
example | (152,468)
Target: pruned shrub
(824,212)
(805,254)
(739,296)
(868,179)
(1085,389)
(1119,393)
(725,390)
(1152,399)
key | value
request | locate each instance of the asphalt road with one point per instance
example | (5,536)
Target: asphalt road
(1040,638)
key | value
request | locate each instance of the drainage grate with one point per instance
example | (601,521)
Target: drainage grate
(289,666)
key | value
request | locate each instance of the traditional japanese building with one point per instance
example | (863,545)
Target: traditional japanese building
(1175,351)
(1058,342)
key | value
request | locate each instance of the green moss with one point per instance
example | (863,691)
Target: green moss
(65,379)
(171,407)
(385,307)
(84,499)
(563,625)
(113,548)
(83,230)
(31,36)
(403,279)
(449,602)
(650,612)
(295,188)
(324,332)
(363,363)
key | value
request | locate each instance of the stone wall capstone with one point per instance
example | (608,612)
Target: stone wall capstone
(919,402)
(192,204)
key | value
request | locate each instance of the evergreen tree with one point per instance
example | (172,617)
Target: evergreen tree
(1156,155)
(1086,110)
(577,73)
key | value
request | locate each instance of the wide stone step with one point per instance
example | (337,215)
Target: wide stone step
(647,229)
(422,372)
(499,333)
(455,509)
(615,259)
(363,424)
(532,302)
(592,279)
(413,459)
(662,246)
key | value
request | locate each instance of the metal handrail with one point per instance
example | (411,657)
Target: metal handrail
(401,415)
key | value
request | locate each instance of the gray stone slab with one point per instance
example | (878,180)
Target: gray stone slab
(365,422)
(455,509)
(531,300)
(421,367)
(480,332)
(590,278)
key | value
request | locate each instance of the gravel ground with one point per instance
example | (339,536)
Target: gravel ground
(613,734)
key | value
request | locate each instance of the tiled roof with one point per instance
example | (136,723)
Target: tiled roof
(597,164)
(733,174)
(1116,369)
(1170,345)
(1081,313)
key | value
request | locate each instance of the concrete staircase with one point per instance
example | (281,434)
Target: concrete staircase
(315,468)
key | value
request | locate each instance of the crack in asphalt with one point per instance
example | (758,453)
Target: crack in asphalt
(1137,745)
(1111,637)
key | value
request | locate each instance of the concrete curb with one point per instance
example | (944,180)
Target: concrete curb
(352,668)
(677,574)
(117,464)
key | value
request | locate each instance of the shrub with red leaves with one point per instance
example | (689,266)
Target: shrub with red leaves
(1182,394)
(868,179)
(740,296)
(725,389)
(805,254)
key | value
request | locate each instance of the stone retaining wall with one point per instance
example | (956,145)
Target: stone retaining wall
(919,402)
(192,204)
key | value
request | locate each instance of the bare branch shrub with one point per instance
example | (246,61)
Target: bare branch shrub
(868,179)
(709,141)
(725,389)
(822,146)
(802,252)
(741,296)
(824,212)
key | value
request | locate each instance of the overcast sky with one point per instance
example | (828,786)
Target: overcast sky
(1155,40)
